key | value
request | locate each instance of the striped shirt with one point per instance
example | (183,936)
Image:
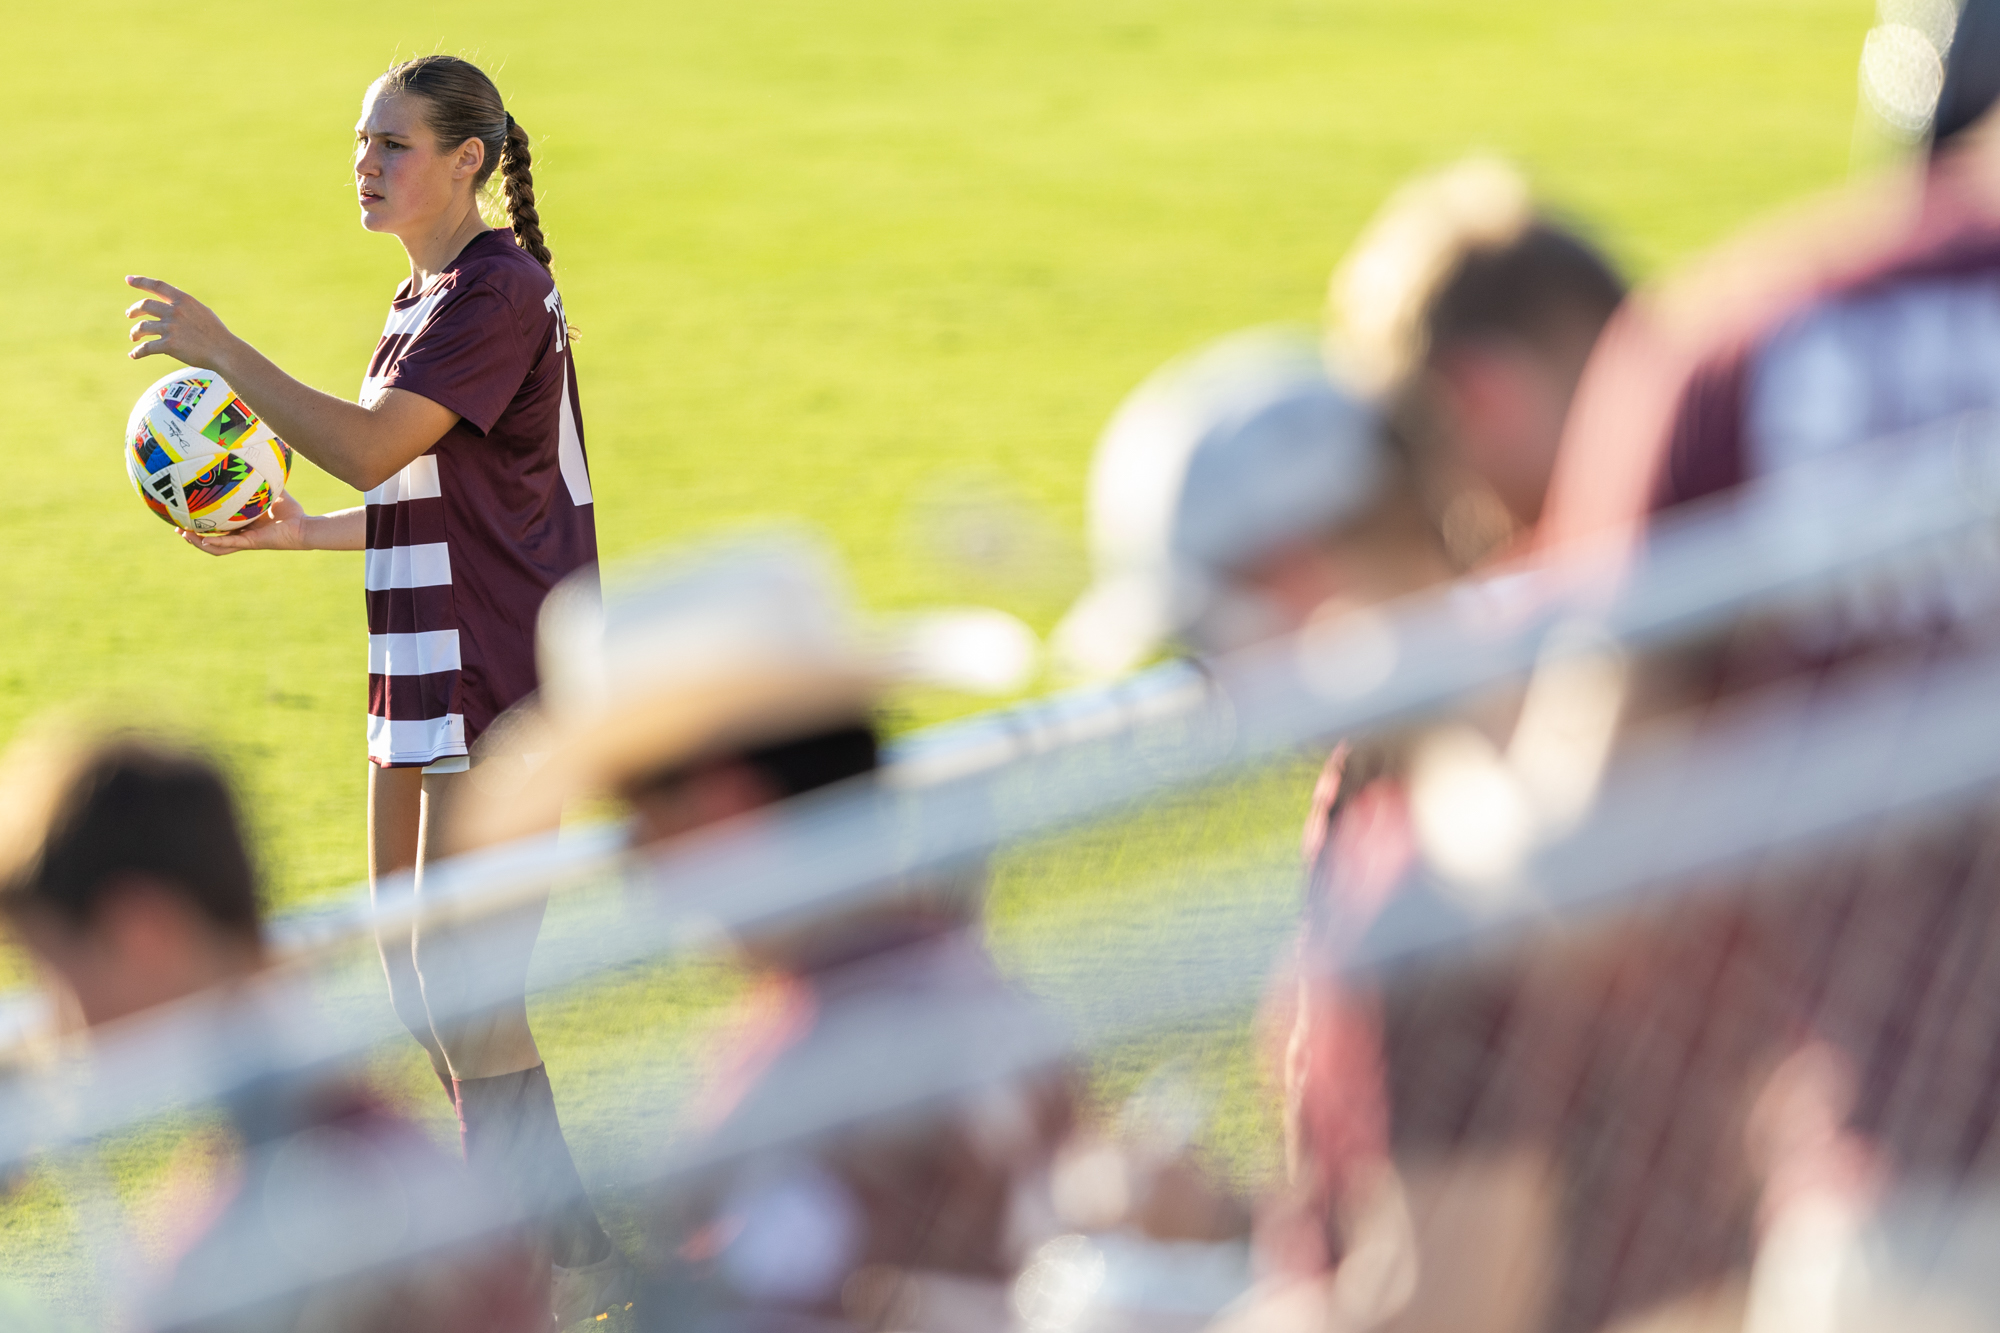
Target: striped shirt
(463,544)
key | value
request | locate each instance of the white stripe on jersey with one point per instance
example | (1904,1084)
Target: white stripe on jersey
(417,481)
(421,741)
(425,566)
(569,448)
(416,654)
(409,321)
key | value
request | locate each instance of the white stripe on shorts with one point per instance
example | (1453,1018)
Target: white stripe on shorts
(425,566)
(418,741)
(416,654)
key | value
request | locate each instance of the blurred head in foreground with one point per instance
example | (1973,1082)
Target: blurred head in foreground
(1468,314)
(1236,493)
(123,870)
(714,683)
(709,686)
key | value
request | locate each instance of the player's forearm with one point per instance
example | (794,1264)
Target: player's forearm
(342,530)
(343,438)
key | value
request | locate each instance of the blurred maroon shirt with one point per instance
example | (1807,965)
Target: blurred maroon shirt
(1637,1050)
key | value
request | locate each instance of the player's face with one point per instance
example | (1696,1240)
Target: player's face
(403,182)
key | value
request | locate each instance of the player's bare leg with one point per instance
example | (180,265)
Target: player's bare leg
(506,1108)
(395,847)
(493,953)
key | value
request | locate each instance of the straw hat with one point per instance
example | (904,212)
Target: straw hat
(709,651)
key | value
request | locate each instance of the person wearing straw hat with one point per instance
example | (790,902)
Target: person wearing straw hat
(124,873)
(707,689)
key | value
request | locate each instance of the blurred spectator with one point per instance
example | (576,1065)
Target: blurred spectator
(1236,494)
(1468,314)
(124,872)
(1679,1112)
(1861,315)
(1242,494)
(1552,1131)
(706,691)
(1255,485)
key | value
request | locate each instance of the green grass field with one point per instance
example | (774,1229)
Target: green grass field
(845,262)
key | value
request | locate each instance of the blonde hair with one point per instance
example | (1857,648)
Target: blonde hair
(1382,293)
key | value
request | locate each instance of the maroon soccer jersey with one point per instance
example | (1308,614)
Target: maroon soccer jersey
(465,542)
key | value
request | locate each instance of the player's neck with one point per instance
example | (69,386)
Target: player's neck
(432,248)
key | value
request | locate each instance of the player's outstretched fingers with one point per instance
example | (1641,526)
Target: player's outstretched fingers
(154,328)
(155,286)
(180,326)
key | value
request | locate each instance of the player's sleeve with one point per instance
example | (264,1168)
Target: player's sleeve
(470,358)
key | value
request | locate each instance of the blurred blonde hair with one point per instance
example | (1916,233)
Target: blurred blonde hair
(1381,293)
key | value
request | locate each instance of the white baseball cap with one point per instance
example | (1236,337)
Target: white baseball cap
(1218,459)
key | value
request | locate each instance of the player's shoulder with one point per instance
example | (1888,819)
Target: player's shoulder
(493,263)
(1662,411)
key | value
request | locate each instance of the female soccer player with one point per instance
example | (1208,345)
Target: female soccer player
(467,442)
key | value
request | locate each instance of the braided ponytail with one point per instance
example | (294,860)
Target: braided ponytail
(517,191)
(463,104)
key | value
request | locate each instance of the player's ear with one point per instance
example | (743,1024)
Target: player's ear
(471,157)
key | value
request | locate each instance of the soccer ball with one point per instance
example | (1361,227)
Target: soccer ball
(199,457)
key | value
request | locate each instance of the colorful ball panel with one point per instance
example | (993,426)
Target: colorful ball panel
(200,457)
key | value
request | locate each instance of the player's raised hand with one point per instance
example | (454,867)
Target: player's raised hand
(282,527)
(175,324)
